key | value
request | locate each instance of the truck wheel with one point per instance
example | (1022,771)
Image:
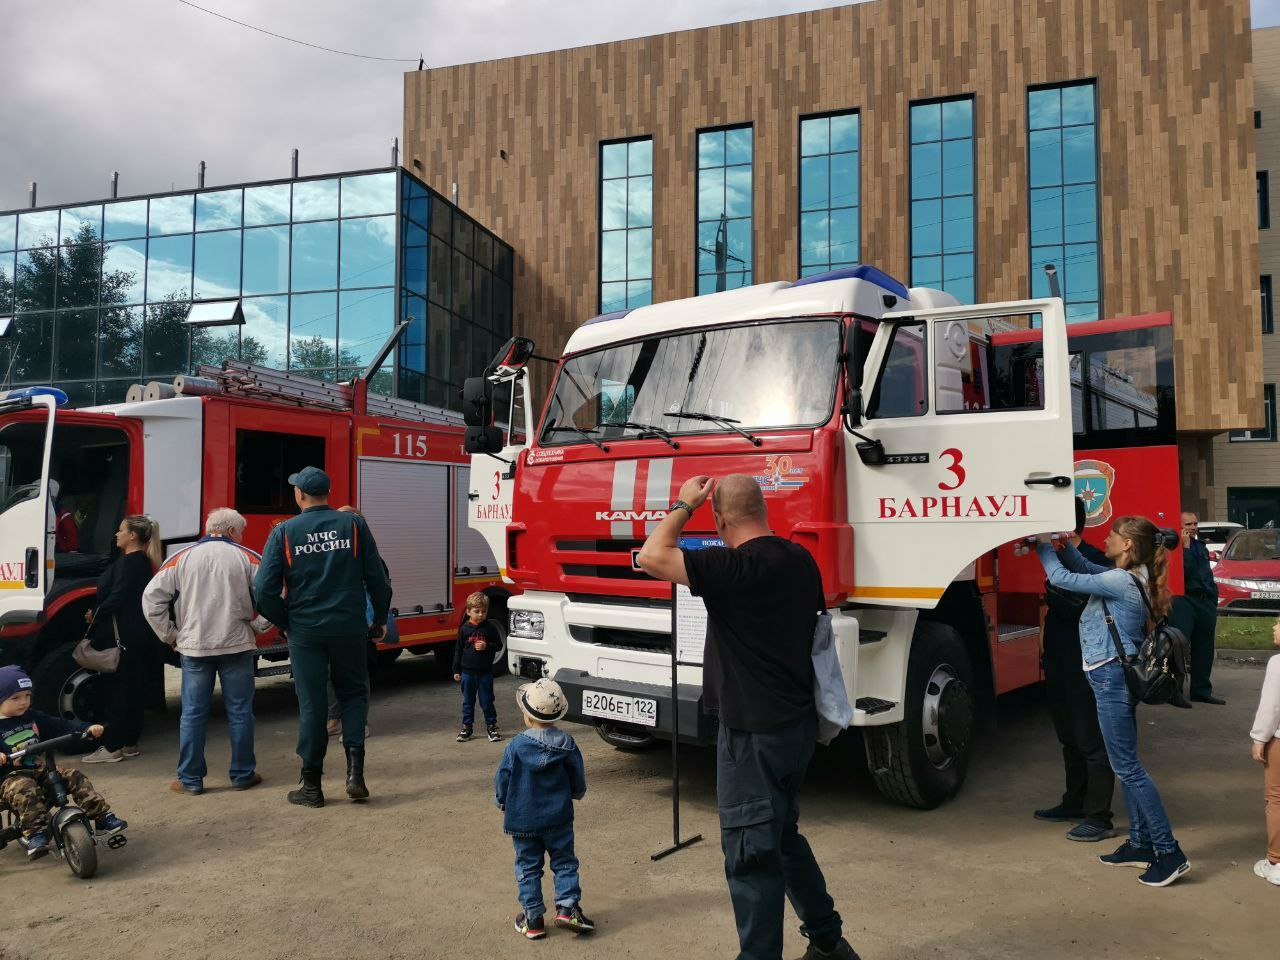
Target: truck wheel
(500,624)
(65,689)
(929,749)
(624,736)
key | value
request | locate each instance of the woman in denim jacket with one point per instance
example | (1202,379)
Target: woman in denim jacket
(1134,544)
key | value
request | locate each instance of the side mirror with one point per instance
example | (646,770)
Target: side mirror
(483,439)
(515,353)
(477,402)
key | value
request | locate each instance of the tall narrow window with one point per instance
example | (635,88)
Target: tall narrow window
(1268,429)
(1268,318)
(828,193)
(1063,149)
(1264,201)
(724,209)
(942,232)
(626,224)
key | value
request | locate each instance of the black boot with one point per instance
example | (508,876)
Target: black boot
(356,789)
(309,794)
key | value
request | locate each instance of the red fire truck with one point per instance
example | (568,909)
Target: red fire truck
(903,439)
(230,438)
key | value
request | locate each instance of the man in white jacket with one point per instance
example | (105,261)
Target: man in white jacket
(201,602)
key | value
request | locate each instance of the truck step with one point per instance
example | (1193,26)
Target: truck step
(1006,632)
(275,670)
(874,705)
(870,636)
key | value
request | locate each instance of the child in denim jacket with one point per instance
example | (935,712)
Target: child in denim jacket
(540,776)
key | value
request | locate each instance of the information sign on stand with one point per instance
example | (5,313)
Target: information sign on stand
(688,641)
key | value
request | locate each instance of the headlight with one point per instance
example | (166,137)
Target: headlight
(1242,584)
(527,624)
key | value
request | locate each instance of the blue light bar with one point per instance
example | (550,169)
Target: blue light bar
(616,315)
(860,271)
(59,397)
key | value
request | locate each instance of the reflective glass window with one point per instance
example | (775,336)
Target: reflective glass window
(171,215)
(626,224)
(441,220)
(266,260)
(217,265)
(315,200)
(264,206)
(942,197)
(438,342)
(124,271)
(124,220)
(365,319)
(35,276)
(368,194)
(79,267)
(313,331)
(169,268)
(77,343)
(78,394)
(8,232)
(166,339)
(81,224)
(212,345)
(1264,285)
(27,353)
(464,231)
(314,256)
(38,228)
(264,338)
(413,268)
(219,210)
(829,222)
(120,342)
(724,205)
(6,283)
(1063,152)
(462,291)
(439,273)
(368,257)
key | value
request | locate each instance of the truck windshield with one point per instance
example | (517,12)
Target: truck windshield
(755,377)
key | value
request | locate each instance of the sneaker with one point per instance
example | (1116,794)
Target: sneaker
(130,752)
(1167,868)
(492,731)
(1268,871)
(1058,814)
(177,786)
(530,929)
(463,736)
(108,825)
(103,755)
(1090,831)
(572,918)
(841,951)
(38,844)
(1129,855)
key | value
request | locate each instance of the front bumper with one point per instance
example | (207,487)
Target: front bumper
(1238,600)
(694,725)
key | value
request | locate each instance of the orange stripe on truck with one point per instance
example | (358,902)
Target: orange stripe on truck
(897,593)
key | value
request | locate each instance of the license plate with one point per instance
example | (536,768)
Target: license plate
(610,706)
(1266,595)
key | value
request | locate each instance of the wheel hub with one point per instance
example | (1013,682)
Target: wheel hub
(948,717)
(80,697)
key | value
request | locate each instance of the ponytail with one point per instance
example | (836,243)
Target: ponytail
(1148,550)
(1159,589)
(147,531)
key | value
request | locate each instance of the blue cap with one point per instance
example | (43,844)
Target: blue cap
(13,680)
(312,481)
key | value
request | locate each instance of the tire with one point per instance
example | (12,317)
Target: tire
(929,750)
(624,737)
(499,624)
(65,689)
(79,850)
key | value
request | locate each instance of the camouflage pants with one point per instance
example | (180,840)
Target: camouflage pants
(22,793)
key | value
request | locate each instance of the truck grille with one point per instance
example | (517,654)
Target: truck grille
(622,639)
(603,572)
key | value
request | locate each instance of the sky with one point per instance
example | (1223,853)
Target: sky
(152,87)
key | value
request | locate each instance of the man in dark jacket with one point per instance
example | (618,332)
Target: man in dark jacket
(762,595)
(1090,782)
(326,561)
(1196,613)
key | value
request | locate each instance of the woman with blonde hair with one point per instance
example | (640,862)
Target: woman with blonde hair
(117,618)
(1128,597)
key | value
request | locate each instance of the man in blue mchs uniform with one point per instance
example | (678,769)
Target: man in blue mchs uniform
(312,583)
(1196,614)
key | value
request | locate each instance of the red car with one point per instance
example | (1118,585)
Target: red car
(1248,575)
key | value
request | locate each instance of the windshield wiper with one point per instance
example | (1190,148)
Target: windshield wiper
(729,422)
(648,428)
(556,427)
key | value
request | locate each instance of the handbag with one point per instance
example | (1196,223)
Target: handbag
(1155,673)
(834,710)
(99,661)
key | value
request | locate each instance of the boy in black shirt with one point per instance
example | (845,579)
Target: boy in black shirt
(478,647)
(21,781)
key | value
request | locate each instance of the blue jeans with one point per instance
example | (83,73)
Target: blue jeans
(481,684)
(558,847)
(1148,822)
(235,671)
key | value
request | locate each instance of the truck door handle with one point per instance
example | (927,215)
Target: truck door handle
(33,568)
(1048,481)
(473,495)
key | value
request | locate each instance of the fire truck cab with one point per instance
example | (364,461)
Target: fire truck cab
(884,443)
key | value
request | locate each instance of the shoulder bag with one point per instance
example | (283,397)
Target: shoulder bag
(99,661)
(1154,675)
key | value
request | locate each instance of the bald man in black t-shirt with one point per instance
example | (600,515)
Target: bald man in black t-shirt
(763,594)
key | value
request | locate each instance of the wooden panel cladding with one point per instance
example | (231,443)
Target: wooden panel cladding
(1178,226)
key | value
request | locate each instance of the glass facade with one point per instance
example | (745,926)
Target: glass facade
(626,224)
(1063,146)
(100,292)
(724,209)
(828,193)
(943,242)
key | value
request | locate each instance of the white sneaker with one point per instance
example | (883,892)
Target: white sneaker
(1268,871)
(103,755)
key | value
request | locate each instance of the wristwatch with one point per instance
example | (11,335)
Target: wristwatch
(680,505)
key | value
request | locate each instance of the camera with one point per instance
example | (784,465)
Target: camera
(1168,538)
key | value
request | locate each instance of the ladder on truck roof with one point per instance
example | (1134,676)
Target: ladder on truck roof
(238,379)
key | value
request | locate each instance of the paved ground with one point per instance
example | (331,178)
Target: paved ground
(424,870)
